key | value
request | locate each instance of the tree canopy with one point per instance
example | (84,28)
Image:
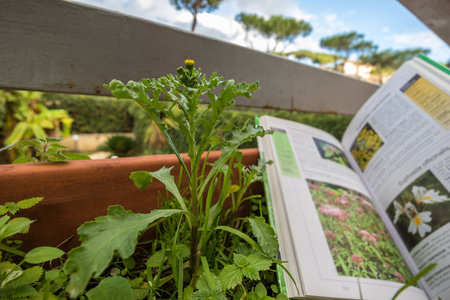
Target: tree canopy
(281,29)
(387,61)
(195,7)
(342,45)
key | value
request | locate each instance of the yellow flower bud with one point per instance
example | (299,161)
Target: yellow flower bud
(189,63)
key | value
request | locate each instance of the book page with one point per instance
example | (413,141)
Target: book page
(400,143)
(329,230)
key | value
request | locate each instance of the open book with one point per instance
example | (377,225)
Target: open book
(358,218)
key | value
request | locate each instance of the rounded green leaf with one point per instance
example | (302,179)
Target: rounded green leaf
(112,288)
(42,254)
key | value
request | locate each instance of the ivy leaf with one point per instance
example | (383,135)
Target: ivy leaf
(112,288)
(118,231)
(265,235)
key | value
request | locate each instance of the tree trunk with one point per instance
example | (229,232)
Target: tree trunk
(196,7)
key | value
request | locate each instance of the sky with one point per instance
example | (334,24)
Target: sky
(384,22)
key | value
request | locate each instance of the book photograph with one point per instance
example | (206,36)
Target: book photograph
(331,152)
(359,243)
(420,209)
(366,145)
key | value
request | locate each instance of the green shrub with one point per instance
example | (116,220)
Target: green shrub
(93,114)
(119,145)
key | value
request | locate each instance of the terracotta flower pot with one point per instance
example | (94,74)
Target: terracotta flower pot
(79,191)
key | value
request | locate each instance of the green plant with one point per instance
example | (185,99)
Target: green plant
(23,116)
(202,250)
(45,150)
(93,114)
(32,281)
(119,145)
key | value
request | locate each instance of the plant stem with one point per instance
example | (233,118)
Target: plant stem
(194,202)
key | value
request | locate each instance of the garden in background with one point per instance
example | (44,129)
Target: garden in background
(28,115)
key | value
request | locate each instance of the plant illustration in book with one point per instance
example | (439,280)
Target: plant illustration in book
(366,145)
(420,209)
(331,152)
(359,242)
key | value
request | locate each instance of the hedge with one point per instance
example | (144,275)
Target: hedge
(93,114)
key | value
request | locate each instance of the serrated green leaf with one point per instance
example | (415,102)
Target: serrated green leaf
(12,207)
(230,276)
(17,292)
(240,260)
(42,254)
(156,259)
(187,293)
(118,231)
(27,203)
(209,289)
(10,272)
(265,235)
(210,295)
(202,283)
(3,210)
(112,288)
(181,251)
(29,276)
(259,261)
(40,296)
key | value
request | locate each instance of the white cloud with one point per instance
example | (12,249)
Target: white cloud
(332,25)
(425,39)
(385,29)
(267,8)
